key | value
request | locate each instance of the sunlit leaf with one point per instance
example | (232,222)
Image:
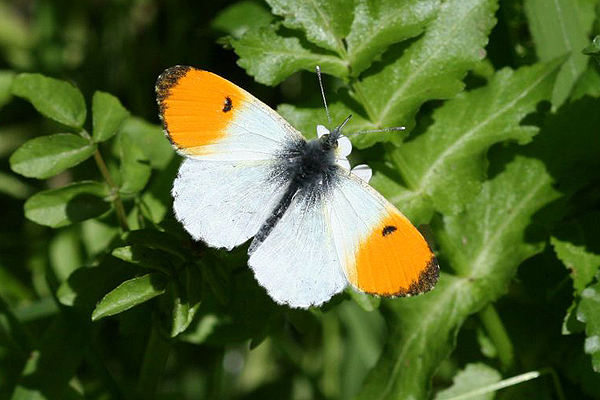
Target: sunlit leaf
(107,115)
(129,294)
(69,204)
(46,156)
(55,99)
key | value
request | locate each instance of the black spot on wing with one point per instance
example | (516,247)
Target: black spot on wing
(227,105)
(388,230)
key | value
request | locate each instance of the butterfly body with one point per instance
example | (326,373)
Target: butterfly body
(316,226)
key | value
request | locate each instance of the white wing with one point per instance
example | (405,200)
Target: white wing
(350,234)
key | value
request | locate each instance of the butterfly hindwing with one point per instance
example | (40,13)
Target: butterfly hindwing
(349,233)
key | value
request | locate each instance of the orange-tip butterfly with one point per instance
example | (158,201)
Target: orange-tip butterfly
(316,225)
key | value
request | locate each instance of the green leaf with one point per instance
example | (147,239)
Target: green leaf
(129,294)
(473,377)
(240,17)
(13,186)
(6,79)
(270,57)
(589,313)
(135,167)
(148,258)
(108,114)
(69,204)
(379,24)
(561,27)
(65,339)
(151,139)
(158,240)
(432,67)
(593,49)
(46,156)
(55,99)
(423,329)
(325,23)
(444,166)
(187,300)
(577,245)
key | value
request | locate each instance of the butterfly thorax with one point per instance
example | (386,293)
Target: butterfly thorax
(308,169)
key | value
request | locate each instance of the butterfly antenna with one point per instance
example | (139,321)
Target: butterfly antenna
(395,128)
(323,94)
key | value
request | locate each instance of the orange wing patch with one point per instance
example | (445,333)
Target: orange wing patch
(395,260)
(196,106)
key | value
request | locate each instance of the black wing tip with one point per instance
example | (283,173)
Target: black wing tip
(168,79)
(427,280)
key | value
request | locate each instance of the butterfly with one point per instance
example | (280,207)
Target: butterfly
(316,225)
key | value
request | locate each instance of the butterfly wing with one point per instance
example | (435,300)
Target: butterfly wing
(349,233)
(228,184)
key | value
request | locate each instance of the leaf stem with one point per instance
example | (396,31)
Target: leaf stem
(495,329)
(119,208)
(153,365)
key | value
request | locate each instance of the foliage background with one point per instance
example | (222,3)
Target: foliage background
(102,295)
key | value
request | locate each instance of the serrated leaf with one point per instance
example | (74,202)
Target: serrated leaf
(46,156)
(325,23)
(129,294)
(67,205)
(473,377)
(484,245)
(588,312)
(6,79)
(379,24)
(241,17)
(577,245)
(431,68)
(108,114)
(135,166)
(55,99)
(444,166)
(151,139)
(561,27)
(270,57)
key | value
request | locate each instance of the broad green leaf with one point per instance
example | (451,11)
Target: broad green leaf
(589,313)
(270,57)
(69,204)
(240,17)
(444,166)
(55,99)
(135,166)
(148,258)
(108,115)
(46,156)
(6,79)
(306,119)
(561,27)
(473,377)
(474,243)
(381,23)
(129,294)
(431,68)
(577,245)
(151,139)
(325,23)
